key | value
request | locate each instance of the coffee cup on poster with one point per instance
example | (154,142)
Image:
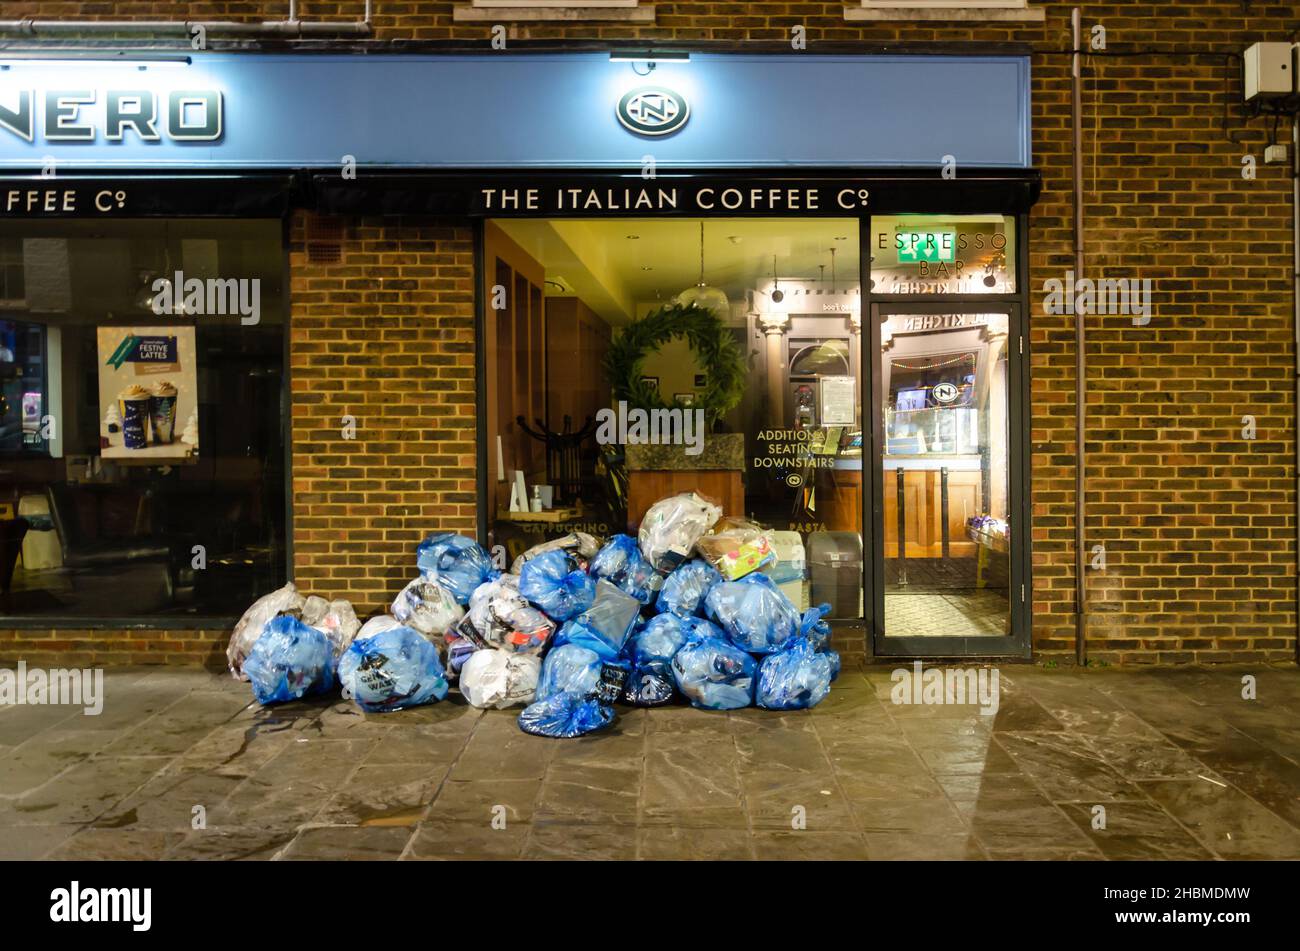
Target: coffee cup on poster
(133,404)
(162,411)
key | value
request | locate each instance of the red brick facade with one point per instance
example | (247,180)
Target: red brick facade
(1198,523)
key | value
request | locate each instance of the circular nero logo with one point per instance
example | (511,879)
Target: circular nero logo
(653,110)
(944,393)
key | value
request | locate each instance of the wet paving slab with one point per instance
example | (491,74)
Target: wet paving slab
(1167,763)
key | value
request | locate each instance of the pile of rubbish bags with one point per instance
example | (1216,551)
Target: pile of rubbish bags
(683,611)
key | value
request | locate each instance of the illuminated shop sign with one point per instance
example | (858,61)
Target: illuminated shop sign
(670,199)
(653,110)
(88,115)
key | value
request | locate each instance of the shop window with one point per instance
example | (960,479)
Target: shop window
(781,444)
(142,415)
(938,254)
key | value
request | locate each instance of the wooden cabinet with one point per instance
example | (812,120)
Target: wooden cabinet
(577,339)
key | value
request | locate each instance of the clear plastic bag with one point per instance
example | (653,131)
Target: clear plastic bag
(737,546)
(494,678)
(377,624)
(621,563)
(556,583)
(652,648)
(796,677)
(754,613)
(672,526)
(335,619)
(457,563)
(565,715)
(393,670)
(500,617)
(248,629)
(427,607)
(714,675)
(289,661)
(604,627)
(684,590)
(581,546)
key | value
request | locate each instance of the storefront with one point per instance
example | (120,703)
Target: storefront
(349,321)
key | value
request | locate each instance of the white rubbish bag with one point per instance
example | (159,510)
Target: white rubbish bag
(494,678)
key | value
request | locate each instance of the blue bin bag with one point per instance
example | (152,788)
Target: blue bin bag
(459,650)
(555,583)
(714,675)
(684,590)
(659,639)
(754,613)
(621,563)
(650,684)
(570,667)
(395,669)
(455,562)
(605,626)
(288,661)
(796,677)
(565,715)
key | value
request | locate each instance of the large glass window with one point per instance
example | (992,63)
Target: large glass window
(142,416)
(787,449)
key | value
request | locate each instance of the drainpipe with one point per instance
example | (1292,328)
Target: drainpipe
(289,27)
(1080,357)
(1295,324)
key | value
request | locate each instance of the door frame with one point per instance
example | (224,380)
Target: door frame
(1017,642)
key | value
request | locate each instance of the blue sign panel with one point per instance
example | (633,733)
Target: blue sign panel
(554,110)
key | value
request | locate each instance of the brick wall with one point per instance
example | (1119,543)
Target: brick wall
(1198,524)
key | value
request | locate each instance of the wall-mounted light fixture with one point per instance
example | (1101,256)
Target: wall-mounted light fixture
(648,58)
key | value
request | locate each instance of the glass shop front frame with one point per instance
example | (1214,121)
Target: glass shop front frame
(942,486)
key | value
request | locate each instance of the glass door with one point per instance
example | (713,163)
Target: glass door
(947,444)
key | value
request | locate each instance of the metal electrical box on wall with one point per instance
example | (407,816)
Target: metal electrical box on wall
(1269,69)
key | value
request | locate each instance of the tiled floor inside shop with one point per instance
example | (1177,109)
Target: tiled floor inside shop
(1183,766)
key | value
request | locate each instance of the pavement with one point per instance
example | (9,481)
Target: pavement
(1166,763)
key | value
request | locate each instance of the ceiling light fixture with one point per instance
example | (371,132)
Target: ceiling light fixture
(702,295)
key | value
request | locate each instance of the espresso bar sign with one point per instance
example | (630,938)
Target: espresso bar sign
(652,198)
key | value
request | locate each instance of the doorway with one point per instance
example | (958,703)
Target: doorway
(947,480)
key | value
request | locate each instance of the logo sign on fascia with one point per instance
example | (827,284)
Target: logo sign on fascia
(653,110)
(83,115)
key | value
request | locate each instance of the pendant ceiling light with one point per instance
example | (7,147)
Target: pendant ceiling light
(702,295)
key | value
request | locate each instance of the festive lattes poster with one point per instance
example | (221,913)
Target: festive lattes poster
(148,394)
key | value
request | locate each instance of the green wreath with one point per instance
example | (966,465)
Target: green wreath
(724,364)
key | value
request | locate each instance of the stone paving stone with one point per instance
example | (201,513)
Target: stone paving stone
(1226,820)
(387,795)
(167,801)
(1137,830)
(353,843)
(589,793)
(676,843)
(584,840)
(320,779)
(809,846)
(475,802)
(232,844)
(452,839)
(134,845)
(898,846)
(88,790)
